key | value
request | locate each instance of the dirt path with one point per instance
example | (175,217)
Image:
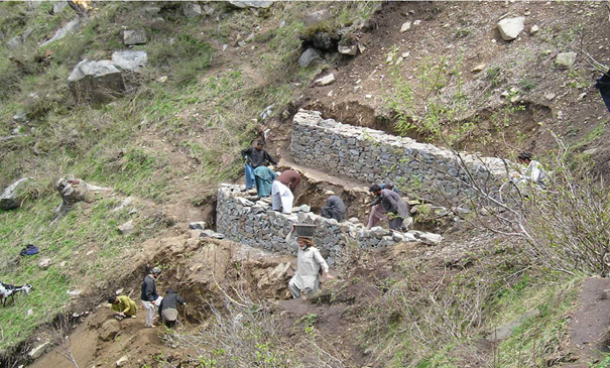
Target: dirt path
(589,327)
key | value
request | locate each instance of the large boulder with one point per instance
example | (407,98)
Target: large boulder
(109,330)
(310,56)
(134,37)
(98,81)
(130,60)
(251,4)
(12,196)
(510,28)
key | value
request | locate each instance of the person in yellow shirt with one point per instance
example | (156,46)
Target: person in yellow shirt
(123,306)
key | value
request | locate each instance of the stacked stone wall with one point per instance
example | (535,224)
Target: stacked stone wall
(373,157)
(257,225)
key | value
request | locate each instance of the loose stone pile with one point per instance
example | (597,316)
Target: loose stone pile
(373,157)
(256,224)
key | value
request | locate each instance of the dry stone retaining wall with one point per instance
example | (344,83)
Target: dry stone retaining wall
(256,224)
(373,156)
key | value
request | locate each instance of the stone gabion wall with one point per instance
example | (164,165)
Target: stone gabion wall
(373,157)
(257,225)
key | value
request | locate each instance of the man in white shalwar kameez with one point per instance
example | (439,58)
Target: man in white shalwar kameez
(306,280)
(281,197)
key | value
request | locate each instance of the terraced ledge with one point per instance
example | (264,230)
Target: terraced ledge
(257,225)
(372,156)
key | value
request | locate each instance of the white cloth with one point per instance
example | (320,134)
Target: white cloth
(151,310)
(307,277)
(281,197)
(533,173)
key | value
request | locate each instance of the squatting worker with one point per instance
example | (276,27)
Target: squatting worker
(264,177)
(255,157)
(533,172)
(168,310)
(150,298)
(123,306)
(334,207)
(306,280)
(387,204)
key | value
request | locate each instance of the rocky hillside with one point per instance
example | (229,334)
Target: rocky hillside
(154,101)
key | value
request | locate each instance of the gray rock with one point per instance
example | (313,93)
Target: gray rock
(325,80)
(510,28)
(99,81)
(211,234)
(191,10)
(127,228)
(565,60)
(431,238)
(200,225)
(134,37)
(45,263)
(152,10)
(316,16)
(310,56)
(506,331)
(13,195)
(534,29)
(59,6)
(405,27)
(37,352)
(14,42)
(109,330)
(351,50)
(70,27)
(130,60)
(251,4)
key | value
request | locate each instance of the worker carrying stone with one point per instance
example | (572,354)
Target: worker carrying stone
(310,264)
(168,309)
(123,306)
(334,207)
(255,157)
(387,205)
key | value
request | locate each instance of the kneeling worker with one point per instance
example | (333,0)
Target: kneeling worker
(168,311)
(334,207)
(123,306)
(306,280)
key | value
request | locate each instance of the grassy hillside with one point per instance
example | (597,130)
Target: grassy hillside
(190,124)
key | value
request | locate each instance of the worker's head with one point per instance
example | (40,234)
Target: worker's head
(329,192)
(375,189)
(389,185)
(170,291)
(304,242)
(260,145)
(113,300)
(155,272)
(525,158)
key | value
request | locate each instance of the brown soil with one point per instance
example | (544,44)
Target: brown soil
(589,326)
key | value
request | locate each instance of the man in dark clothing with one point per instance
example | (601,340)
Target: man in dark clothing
(603,84)
(168,311)
(290,178)
(150,298)
(334,207)
(390,203)
(255,157)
